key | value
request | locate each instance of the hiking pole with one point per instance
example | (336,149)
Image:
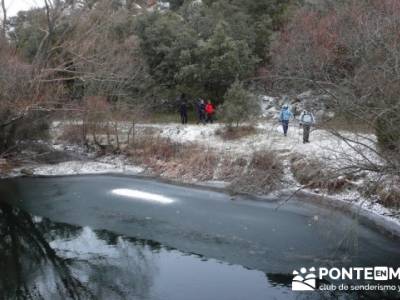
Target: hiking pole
(298,133)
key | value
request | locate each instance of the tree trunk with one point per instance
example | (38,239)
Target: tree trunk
(116,136)
(4,25)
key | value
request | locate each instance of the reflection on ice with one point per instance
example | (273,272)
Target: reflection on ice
(112,267)
(143,196)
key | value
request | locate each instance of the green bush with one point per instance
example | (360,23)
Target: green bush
(240,105)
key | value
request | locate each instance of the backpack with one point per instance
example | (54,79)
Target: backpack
(307,118)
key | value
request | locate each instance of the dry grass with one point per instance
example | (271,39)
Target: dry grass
(389,195)
(342,124)
(170,159)
(100,136)
(306,171)
(262,174)
(313,173)
(386,191)
(230,167)
(5,166)
(233,133)
(72,133)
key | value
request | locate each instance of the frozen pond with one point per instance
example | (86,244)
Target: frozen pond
(114,237)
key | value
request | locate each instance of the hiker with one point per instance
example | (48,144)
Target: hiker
(209,112)
(200,109)
(183,110)
(307,120)
(284,118)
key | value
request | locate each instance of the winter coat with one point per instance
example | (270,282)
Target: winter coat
(199,107)
(209,109)
(183,108)
(307,118)
(285,115)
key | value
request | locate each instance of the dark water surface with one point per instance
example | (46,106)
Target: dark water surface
(112,237)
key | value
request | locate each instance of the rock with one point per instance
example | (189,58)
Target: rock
(295,101)
(330,114)
(305,95)
(55,157)
(320,115)
(285,100)
(268,99)
(325,98)
(297,109)
(271,112)
(27,172)
(268,105)
(3,162)
(3,166)
(323,115)
(320,104)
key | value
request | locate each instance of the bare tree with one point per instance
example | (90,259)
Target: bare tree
(91,49)
(351,52)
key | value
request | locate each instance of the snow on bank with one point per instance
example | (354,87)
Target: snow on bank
(373,212)
(104,166)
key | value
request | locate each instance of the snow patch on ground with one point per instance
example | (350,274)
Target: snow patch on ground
(323,144)
(103,166)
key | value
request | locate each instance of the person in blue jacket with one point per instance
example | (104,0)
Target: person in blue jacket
(284,117)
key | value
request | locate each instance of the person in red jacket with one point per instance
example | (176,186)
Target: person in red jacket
(210,112)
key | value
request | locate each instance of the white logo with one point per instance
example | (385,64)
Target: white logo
(381,273)
(304,281)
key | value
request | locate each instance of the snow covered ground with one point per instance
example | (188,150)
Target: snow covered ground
(270,136)
(82,168)
(104,165)
(324,145)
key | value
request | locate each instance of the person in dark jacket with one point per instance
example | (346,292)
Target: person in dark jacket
(183,109)
(200,110)
(203,111)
